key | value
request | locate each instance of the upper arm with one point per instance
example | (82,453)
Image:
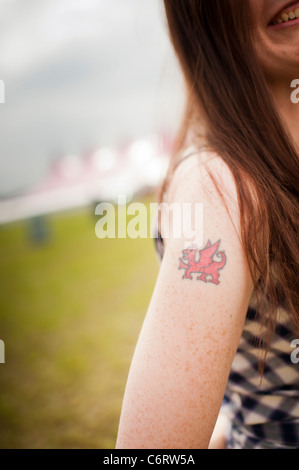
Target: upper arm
(191,330)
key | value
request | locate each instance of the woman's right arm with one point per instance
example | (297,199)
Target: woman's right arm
(191,330)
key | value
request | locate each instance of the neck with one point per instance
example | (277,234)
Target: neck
(288,110)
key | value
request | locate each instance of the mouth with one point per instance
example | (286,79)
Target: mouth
(286,17)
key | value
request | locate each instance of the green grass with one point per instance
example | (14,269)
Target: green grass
(70,313)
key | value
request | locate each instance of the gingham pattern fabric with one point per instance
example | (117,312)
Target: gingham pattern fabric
(262,414)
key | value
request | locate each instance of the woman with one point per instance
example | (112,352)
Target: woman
(212,349)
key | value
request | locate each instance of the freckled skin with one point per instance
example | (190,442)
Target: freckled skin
(188,339)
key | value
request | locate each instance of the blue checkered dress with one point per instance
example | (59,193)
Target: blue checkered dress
(262,414)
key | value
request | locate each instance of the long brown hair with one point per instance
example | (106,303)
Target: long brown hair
(228,92)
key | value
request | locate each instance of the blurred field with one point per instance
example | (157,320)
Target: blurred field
(70,313)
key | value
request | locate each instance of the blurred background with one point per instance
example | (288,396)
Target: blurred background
(93,98)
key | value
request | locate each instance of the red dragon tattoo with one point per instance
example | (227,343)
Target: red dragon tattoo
(202,262)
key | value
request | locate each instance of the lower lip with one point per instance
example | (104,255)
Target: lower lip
(285,24)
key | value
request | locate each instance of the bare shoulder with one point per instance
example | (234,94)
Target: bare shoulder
(205,178)
(199,175)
